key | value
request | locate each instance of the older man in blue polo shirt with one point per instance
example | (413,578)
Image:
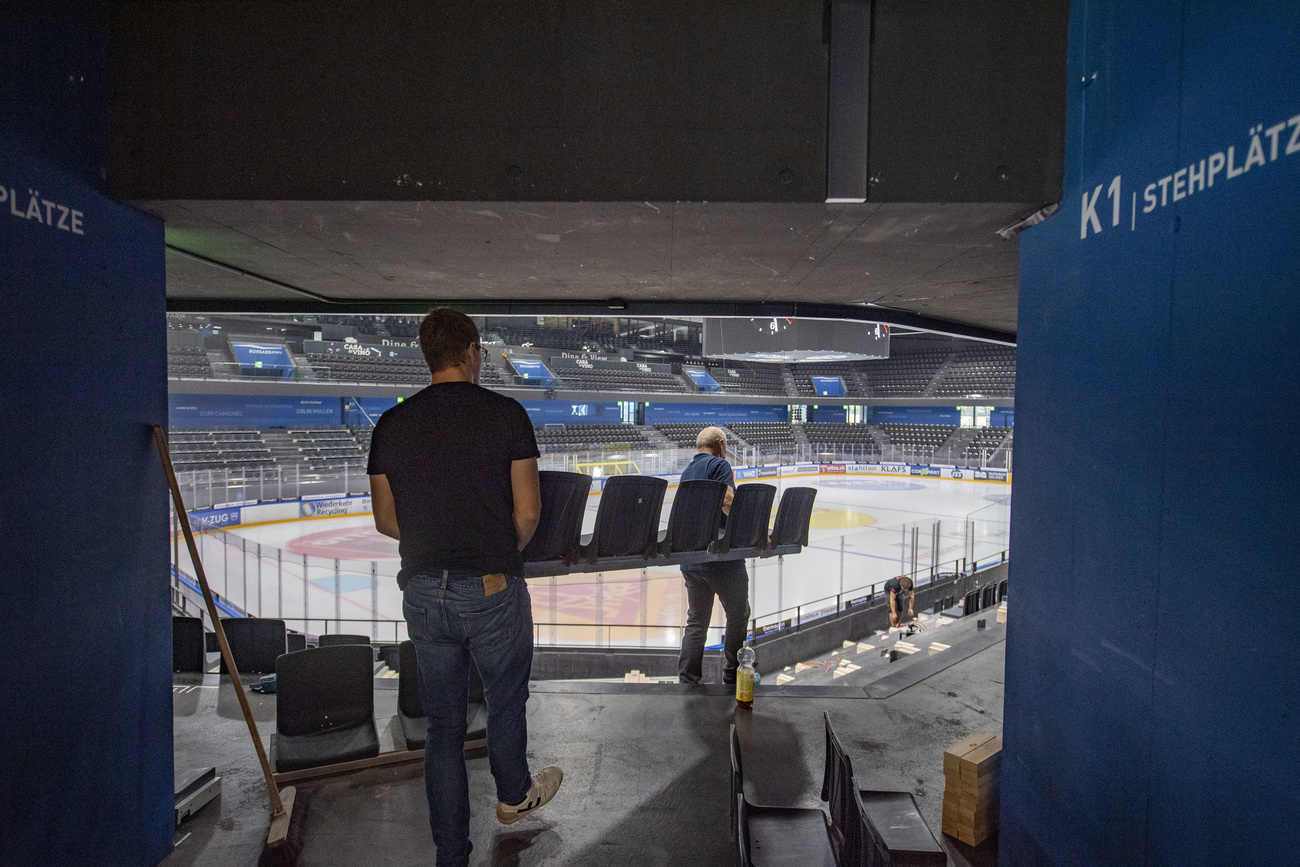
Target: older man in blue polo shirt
(728,578)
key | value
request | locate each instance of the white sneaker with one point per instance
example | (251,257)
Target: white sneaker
(546,783)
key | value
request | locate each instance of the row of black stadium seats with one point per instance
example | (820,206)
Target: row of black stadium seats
(626,534)
(866,828)
(324,707)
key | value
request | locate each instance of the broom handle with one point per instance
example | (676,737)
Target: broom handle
(183,517)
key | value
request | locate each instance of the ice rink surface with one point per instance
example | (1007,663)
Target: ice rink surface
(865,530)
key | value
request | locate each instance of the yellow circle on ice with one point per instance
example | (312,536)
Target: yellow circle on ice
(839,519)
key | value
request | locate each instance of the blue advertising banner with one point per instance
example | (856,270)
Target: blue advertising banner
(213,519)
(828,386)
(701,378)
(915,415)
(253,411)
(715,413)
(262,356)
(533,370)
(544,412)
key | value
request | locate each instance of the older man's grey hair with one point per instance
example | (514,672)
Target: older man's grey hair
(709,438)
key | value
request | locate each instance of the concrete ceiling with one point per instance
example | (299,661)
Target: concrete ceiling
(943,261)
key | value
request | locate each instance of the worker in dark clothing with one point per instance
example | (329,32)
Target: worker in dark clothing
(727,578)
(899,592)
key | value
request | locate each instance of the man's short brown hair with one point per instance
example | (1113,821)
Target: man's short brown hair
(905,581)
(445,336)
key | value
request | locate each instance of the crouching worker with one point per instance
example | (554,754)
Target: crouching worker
(453,477)
(899,591)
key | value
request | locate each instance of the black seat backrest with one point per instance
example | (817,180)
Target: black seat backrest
(737,782)
(294,641)
(188,644)
(255,643)
(627,520)
(793,516)
(564,502)
(324,688)
(750,511)
(340,638)
(740,830)
(870,845)
(408,682)
(839,790)
(696,513)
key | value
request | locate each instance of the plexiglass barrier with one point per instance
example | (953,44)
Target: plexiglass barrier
(629,608)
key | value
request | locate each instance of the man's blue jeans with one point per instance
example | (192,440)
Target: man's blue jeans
(729,580)
(450,620)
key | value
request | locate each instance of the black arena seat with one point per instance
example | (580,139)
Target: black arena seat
(627,523)
(746,531)
(255,643)
(693,521)
(325,707)
(340,638)
(188,644)
(410,713)
(294,641)
(555,544)
(790,532)
(873,828)
(767,835)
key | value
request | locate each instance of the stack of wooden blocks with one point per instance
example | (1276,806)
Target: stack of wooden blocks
(972,771)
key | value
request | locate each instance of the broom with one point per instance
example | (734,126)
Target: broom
(284,840)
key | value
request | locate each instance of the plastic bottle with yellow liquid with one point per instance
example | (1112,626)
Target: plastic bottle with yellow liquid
(745,676)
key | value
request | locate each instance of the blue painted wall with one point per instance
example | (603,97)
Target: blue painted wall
(260,411)
(85,666)
(914,415)
(714,413)
(1151,691)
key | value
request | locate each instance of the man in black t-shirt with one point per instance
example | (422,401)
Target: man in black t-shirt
(899,593)
(726,578)
(453,477)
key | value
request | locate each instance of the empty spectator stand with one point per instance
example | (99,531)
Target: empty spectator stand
(906,373)
(763,433)
(599,375)
(188,361)
(738,377)
(926,436)
(839,433)
(981,443)
(315,449)
(362,368)
(586,339)
(219,449)
(984,369)
(557,437)
(681,434)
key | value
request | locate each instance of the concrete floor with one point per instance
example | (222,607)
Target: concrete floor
(646,768)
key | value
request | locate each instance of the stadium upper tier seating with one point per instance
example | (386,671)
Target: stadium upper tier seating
(557,437)
(307,449)
(763,433)
(916,368)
